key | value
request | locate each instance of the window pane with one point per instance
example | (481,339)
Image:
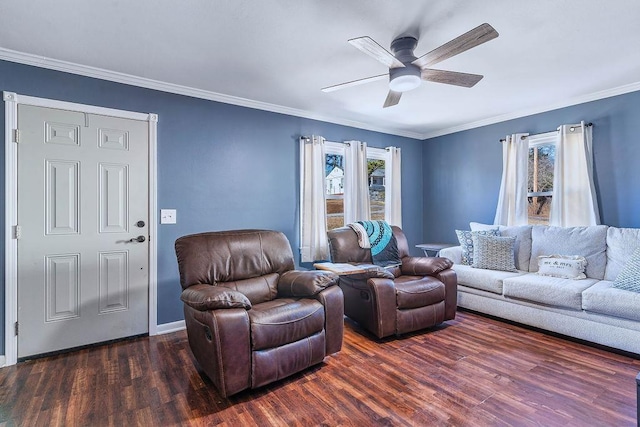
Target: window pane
(376,178)
(540,182)
(334,184)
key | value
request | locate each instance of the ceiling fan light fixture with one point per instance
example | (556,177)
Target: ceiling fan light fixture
(404,83)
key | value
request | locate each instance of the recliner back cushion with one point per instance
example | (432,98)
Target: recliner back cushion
(343,245)
(589,242)
(257,289)
(230,256)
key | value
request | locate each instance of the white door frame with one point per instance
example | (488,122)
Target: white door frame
(11,101)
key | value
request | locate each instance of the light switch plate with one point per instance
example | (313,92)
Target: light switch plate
(167,216)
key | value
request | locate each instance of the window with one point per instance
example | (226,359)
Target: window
(376,179)
(542,155)
(334,184)
(341,183)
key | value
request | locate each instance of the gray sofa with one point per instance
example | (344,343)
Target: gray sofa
(590,309)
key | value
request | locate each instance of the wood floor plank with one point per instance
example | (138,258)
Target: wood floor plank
(474,370)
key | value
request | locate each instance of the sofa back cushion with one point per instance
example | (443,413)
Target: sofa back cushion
(589,242)
(522,247)
(249,259)
(621,243)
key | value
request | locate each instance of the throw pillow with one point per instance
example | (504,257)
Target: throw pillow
(465,238)
(493,252)
(563,266)
(629,277)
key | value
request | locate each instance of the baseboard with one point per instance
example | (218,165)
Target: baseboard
(3,359)
(167,328)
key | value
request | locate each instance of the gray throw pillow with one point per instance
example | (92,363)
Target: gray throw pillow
(465,238)
(494,252)
(629,277)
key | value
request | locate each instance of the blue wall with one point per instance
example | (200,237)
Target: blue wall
(221,166)
(462,171)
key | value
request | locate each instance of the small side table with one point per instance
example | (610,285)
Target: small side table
(435,248)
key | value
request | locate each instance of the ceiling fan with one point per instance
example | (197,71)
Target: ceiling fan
(406,71)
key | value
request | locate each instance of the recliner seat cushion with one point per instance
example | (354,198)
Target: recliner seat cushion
(418,291)
(284,320)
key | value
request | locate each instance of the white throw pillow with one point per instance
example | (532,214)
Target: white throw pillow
(563,266)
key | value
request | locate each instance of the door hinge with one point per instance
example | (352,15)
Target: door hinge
(16,328)
(16,136)
(18,232)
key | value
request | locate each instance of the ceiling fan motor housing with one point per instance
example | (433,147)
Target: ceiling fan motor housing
(405,78)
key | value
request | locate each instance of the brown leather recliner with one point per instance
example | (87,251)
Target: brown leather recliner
(251,318)
(421,293)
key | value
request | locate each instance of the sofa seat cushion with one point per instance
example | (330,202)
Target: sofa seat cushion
(553,291)
(418,291)
(486,280)
(284,320)
(605,299)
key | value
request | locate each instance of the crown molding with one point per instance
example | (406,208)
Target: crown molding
(114,76)
(620,90)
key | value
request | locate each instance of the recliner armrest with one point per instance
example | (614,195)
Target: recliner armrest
(203,297)
(295,283)
(424,266)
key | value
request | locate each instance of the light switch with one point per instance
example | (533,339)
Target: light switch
(167,216)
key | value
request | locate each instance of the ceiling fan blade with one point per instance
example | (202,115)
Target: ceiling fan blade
(367,45)
(481,34)
(450,77)
(354,83)
(393,98)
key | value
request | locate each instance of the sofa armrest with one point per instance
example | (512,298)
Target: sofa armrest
(297,283)
(454,253)
(203,297)
(424,266)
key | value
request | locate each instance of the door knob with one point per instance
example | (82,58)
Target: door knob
(140,224)
(138,239)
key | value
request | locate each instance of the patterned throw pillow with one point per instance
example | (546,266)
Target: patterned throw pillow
(629,277)
(465,238)
(563,266)
(493,252)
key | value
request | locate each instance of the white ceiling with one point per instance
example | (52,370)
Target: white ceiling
(278,54)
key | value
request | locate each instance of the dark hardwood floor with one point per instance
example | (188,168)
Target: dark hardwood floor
(473,371)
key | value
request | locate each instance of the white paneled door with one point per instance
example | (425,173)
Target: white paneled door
(82,232)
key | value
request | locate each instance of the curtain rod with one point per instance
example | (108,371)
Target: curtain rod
(555,130)
(308,139)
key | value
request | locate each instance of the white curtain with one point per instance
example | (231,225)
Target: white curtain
(313,224)
(356,187)
(512,199)
(393,187)
(574,201)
